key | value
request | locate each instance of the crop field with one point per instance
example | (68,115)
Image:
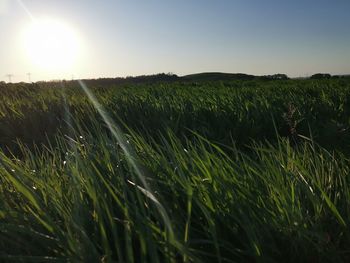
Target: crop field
(175,171)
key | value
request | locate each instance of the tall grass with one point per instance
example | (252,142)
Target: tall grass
(219,172)
(81,201)
(219,111)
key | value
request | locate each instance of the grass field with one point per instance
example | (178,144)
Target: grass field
(178,171)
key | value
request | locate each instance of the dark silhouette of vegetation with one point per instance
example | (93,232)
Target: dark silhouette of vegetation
(275,77)
(321,76)
(218,76)
(145,79)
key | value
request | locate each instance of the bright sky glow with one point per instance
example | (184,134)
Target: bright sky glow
(111,38)
(51,45)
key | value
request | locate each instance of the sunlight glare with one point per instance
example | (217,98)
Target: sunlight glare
(51,45)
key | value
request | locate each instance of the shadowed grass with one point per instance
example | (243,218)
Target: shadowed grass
(81,201)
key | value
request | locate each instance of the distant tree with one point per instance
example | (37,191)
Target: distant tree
(275,77)
(280,76)
(321,76)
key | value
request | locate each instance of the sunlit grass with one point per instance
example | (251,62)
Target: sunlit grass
(161,191)
(85,203)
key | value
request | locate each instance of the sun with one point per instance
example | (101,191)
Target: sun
(51,45)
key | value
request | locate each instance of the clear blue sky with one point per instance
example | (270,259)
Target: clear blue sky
(130,37)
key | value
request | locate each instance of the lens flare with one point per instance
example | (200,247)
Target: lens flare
(130,156)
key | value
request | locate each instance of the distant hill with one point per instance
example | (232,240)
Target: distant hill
(214,76)
(169,77)
(198,77)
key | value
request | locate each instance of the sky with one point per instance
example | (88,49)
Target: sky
(119,38)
